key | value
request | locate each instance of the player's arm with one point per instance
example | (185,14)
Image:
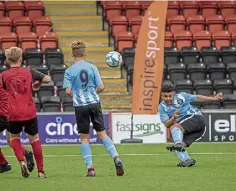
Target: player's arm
(98,81)
(38,76)
(67,83)
(218,97)
(168,122)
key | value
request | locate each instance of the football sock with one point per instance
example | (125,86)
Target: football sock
(87,154)
(177,135)
(107,142)
(38,155)
(23,149)
(183,156)
(3,161)
(17,148)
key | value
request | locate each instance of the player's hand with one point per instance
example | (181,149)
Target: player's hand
(218,97)
(176,114)
(36,85)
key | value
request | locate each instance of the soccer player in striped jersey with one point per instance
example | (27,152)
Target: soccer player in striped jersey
(186,123)
(83,83)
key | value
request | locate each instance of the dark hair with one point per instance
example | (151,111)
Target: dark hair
(167,88)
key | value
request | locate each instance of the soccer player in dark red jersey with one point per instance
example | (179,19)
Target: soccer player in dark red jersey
(18,82)
(4,125)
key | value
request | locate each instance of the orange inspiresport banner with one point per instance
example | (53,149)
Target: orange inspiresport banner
(149,60)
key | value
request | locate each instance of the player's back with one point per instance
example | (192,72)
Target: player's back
(18,83)
(84,79)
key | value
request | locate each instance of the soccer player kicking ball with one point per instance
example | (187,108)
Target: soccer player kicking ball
(4,125)
(186,123)
(83,83)
(18,82)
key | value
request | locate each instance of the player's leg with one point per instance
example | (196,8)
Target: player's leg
(98,124)
(177,136)
(15,130)
(31,128)
(4,165)
(27,153)
(195,129)
(83,125)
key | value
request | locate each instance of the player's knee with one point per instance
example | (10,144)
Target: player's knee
(101,134)
(33,138)
(84,138)
(177,125)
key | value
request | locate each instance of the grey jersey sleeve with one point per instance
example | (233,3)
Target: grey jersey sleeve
(36,75)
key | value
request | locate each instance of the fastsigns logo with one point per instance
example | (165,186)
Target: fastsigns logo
(144,129)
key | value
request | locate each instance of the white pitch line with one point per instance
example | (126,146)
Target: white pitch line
(134,154)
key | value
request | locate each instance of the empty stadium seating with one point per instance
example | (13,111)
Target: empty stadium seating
(200,52)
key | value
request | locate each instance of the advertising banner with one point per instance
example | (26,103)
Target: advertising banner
(58,129)
(149,60)
(146,127)
(220,127)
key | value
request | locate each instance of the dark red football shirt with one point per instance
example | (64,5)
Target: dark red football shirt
(18,83)
(3,101)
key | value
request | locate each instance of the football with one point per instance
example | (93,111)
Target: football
(113,59)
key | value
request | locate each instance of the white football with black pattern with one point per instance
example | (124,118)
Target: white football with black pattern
(114,59)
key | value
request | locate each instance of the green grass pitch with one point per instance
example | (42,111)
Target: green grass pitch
(147,167)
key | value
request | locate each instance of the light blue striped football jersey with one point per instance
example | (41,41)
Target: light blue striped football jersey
(83,78)
(182,103)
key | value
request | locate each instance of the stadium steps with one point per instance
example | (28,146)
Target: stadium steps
(74,20)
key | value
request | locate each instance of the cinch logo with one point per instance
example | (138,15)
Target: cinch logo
(144,128)
(60,128)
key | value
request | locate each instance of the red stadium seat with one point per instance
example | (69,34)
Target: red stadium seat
(132,9)
(169,39)
(5,25)
(48,40)
(227,8)
(208,8)
(28,40)
(221,38)
(135,24)
(173,9)
(8,40)
(15,9)
(42,25)
(183,39)
(2,9)
(112,9)
(196,23)
(234,39)
(215,23)
(124,39)
(189,8)
(145,5)
(22,25)
(34,9)
(176,23)
(230,21)
(118,24)
(202,39)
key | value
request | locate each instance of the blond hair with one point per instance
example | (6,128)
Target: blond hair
(13,54)
(78,48)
